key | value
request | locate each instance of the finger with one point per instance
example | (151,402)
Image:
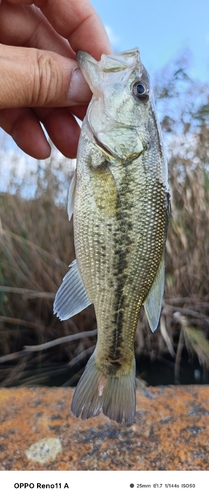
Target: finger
(28,134)
(21,85)
(26,131)
(27,26)
(35,78)
(24,127)
(76,21)
(79,23)
(62,128)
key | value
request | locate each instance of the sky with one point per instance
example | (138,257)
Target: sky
(161,30)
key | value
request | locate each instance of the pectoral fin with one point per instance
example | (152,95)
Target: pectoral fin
(105,191)
(71,195)
(71,297)
(153,302)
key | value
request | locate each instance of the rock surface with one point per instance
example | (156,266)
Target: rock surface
(170,432)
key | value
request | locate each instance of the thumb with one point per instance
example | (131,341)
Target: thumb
(36,78)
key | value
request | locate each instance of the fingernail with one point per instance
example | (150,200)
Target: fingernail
(79,91)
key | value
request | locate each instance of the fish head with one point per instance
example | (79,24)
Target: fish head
(119,110)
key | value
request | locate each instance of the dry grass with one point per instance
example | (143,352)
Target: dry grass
(36,245)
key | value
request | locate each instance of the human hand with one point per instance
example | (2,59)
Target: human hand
(40,81)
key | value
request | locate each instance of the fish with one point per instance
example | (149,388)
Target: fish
(120,202)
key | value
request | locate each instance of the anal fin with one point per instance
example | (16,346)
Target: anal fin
(71,297)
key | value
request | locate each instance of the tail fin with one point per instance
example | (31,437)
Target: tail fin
(113,394)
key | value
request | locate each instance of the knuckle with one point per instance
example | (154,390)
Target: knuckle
(46,79)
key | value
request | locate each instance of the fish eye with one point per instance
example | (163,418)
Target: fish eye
(140,91)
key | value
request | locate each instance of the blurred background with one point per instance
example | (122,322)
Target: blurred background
(36,238)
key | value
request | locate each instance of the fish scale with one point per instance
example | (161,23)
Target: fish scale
(120,200)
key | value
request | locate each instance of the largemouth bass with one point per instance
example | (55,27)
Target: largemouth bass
(119,196)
